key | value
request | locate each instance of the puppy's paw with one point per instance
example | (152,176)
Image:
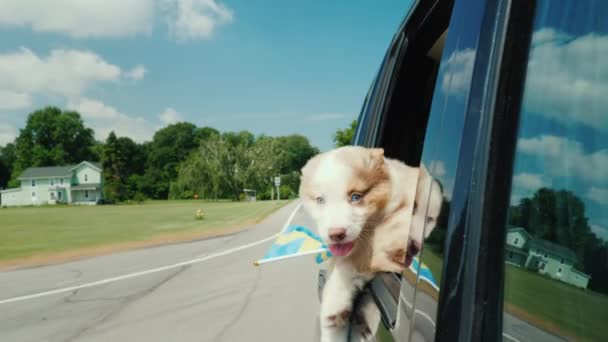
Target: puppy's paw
(391,259)
(337,320)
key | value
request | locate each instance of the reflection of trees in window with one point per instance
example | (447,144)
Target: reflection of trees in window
(559,216)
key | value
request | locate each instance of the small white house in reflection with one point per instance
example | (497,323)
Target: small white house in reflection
(544,257)
(72,184)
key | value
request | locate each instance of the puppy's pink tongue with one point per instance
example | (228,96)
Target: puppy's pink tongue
(341,249)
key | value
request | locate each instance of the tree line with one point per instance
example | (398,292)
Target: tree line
(181,160)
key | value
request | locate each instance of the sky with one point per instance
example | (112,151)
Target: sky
(133,66)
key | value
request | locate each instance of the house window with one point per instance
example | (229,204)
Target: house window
(510,255)
(561,261)
(60,180)
(545,255)
(516,241)
(52,195)
(86,194)
(86,177)
(33,182)
(542,266)
(33,194)
(59,195)
(52,181)
(559,270)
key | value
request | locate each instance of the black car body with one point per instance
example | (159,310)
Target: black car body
(505,101)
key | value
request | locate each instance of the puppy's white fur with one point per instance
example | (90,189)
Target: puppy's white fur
(378,225)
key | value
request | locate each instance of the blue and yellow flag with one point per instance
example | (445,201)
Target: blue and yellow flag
(424,273)
(296,241)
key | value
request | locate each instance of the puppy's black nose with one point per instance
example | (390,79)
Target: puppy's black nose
(337,234)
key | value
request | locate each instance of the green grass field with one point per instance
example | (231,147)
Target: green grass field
(45,230)
(577,312)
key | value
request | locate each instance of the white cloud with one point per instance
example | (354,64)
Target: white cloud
(528,181)
(195,19)
(459,70)
(14,100)
(437,168)
(80,18)
(524,185)
(62,72)
(169,116)
(136,73)
(568,78)
(7,133)
(600,232)
(563,157)
(104,119)
(599,195)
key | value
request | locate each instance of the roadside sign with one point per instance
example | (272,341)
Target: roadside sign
(277,181)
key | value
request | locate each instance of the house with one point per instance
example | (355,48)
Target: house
(74,184)
(544,257)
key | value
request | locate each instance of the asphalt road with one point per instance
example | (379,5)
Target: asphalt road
(221,298)
(205,290)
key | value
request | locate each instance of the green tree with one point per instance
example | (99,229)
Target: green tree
(170,146)
(7,159)
(344,137)
(122,158)
(52,137)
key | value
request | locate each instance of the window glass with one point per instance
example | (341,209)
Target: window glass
(559,190)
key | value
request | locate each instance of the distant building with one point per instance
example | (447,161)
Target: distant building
(544,257)
(74,184)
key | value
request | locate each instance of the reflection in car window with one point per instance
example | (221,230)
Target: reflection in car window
(556,274)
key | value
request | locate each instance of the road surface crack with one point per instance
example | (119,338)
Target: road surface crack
(126,301)
(238,316)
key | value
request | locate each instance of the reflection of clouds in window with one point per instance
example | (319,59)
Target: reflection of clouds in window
(525,184)
(437,168)
(459,70)
(599,195)
(568,77)
(599,231)
(564,157)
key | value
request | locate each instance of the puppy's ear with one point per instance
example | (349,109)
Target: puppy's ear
(376,156)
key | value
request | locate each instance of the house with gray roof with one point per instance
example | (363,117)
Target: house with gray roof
(544,257)
(72,184)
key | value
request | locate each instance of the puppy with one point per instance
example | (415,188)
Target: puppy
(349,192)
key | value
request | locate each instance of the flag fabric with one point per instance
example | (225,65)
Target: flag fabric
(424,273)
(296,241)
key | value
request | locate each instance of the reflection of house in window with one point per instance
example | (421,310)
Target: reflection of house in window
(546,257)
(516,241)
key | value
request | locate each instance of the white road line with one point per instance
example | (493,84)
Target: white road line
(153,270)
(425,315)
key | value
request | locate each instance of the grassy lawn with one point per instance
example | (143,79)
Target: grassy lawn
(547,303)
(580,312)
(45,230)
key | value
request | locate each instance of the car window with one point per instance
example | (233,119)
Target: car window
(556,249)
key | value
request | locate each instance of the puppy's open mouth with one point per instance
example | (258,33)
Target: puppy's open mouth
(341,249)
(413,248)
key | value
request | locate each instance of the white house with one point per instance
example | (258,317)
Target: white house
(74,184)
(544,257)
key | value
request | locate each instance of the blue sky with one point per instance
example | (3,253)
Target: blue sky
(273,67)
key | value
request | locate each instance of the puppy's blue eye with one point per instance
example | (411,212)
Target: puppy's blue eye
(320,200)
(355,197)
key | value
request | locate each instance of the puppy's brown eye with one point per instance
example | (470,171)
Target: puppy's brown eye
(320,200)
(430,220)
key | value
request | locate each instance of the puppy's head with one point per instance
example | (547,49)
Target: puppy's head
(427,207)
(344,190)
